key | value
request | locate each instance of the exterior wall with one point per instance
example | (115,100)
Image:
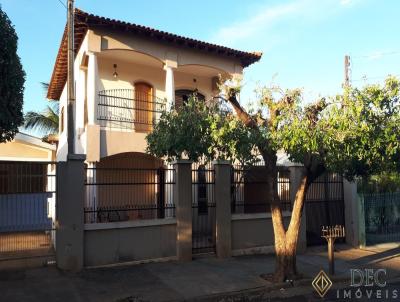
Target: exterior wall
(19,151)
(163,52)
(125,196)
(114,142)
(27,148)
(129,241)
(80,137)
(128,74)
(155,239)
(253,233)
(97,74)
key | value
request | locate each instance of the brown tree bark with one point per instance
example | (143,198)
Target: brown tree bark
(285,240)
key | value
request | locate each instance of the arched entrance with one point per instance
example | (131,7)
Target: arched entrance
(128,186)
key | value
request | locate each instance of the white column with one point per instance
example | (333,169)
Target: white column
(92,88)
(169,86)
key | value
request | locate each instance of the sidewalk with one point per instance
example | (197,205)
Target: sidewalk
(174,281)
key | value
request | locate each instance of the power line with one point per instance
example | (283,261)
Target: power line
(377,55)
(63,4)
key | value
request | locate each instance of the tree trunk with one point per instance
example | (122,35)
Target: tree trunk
(286,243)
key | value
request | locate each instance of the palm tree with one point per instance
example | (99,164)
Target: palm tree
(46,121)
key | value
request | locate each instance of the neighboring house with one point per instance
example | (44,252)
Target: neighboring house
(26,184)
(25,147)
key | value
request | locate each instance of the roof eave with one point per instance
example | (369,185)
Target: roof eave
(84,21)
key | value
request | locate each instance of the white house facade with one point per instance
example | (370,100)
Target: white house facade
(125,75)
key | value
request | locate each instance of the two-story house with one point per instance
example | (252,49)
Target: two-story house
(125,75)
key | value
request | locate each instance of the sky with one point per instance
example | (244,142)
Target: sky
(303,41)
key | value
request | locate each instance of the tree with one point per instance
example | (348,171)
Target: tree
(284,123)
(46,121)
(328,135)
(12,81)
(201,131)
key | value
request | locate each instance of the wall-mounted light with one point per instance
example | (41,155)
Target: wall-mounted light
(115,74)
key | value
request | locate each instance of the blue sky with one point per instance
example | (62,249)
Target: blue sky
(303,41)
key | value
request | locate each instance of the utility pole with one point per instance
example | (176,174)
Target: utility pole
(346,71)
(70,79)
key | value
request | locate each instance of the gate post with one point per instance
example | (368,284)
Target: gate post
(69,213)
(296,173)
(183,204)
(361,231)
(352,204)
(223,208)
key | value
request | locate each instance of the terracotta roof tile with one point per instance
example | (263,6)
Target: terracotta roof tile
(85,21)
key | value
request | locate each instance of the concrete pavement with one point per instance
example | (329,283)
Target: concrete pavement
(204,279)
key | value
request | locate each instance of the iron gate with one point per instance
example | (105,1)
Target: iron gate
(121,194)
(324,206)
(382,217)
(248,189)
(203,209)
(27,210)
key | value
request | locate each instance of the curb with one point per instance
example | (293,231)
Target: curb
(256,292)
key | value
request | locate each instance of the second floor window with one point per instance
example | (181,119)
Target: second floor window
(182,96)
(143,107)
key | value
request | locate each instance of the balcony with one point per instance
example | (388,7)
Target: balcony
(128,109)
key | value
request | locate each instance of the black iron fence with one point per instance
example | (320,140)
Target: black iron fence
(249,189)
(27,209)
(121,194)
(325,204)
(382,217)
(203,208)
(129,109)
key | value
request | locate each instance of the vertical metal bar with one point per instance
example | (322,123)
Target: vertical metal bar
(161,193)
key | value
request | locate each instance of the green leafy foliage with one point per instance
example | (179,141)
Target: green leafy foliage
(200,131)
(46,121)
(356,134)
(364,131)
(12,81)
(183,133)
(382,183)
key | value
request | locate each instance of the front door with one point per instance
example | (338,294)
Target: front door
(143,107)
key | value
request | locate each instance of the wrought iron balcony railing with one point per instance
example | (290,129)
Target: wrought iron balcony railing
(128,109)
